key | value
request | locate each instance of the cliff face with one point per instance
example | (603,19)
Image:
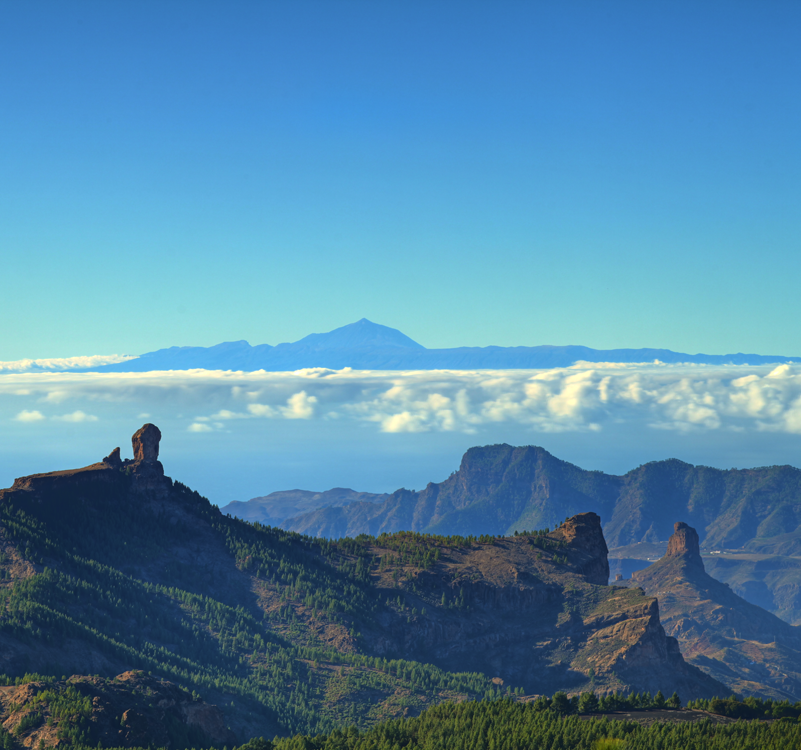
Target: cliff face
(684,543)
(748,649)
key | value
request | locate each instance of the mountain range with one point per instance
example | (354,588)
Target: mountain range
(115,568)
(500,489)
(369,346)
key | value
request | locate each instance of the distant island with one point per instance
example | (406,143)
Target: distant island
(365,345)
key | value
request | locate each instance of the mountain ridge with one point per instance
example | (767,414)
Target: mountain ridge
(370,346)
(502,488)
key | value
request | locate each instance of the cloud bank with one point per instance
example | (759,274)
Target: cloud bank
(579,398)
(64,363)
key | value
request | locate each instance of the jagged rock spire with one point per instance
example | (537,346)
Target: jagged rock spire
(685,543)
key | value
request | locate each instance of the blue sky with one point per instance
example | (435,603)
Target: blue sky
(617,174)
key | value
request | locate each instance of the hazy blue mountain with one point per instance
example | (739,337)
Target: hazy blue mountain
(277,507)
(369,346)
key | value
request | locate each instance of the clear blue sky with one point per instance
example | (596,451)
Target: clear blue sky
(614,174)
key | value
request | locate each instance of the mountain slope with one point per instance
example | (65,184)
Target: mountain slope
(115,567)
(130,710)
(370,346)
(740,644)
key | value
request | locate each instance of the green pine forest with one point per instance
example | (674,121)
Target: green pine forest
(88,590)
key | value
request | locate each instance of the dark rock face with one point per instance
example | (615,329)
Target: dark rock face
(684,543)
(583,533)
(145,471)
(113,459)
(146,443)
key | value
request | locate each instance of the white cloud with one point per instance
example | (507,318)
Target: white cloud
(62,364)
(659,396)
(29,416)
(77,416)
(299,406)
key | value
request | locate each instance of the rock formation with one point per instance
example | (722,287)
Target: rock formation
(143,474)
(684,542)
(113,459)
(583,532)
(145,443)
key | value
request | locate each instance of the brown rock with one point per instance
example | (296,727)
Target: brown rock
(684,543)
(113,459)
(583,534)
(146,443)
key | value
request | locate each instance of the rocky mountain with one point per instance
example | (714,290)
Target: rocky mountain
(500,488)
(114,567)
(129,710)
(370,346)
(750,650)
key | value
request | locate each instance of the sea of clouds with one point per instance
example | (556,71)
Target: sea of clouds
(585,397)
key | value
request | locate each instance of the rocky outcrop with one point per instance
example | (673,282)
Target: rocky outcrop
(113,459)
(146,469)
(685,543)
(748,649)
(145,443)
(143,473)
(584,535)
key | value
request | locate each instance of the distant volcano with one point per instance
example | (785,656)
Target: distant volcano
(365,345)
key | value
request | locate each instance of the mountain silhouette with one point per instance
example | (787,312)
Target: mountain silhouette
(370,346)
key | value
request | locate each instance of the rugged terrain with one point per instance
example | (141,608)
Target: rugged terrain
(500,488)
(772,582)
(750,650)
(115,567)
(129,710)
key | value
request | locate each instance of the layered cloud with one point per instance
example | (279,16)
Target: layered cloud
(581,398)
(64,363)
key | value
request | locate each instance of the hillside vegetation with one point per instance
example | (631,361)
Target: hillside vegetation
(114,567)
